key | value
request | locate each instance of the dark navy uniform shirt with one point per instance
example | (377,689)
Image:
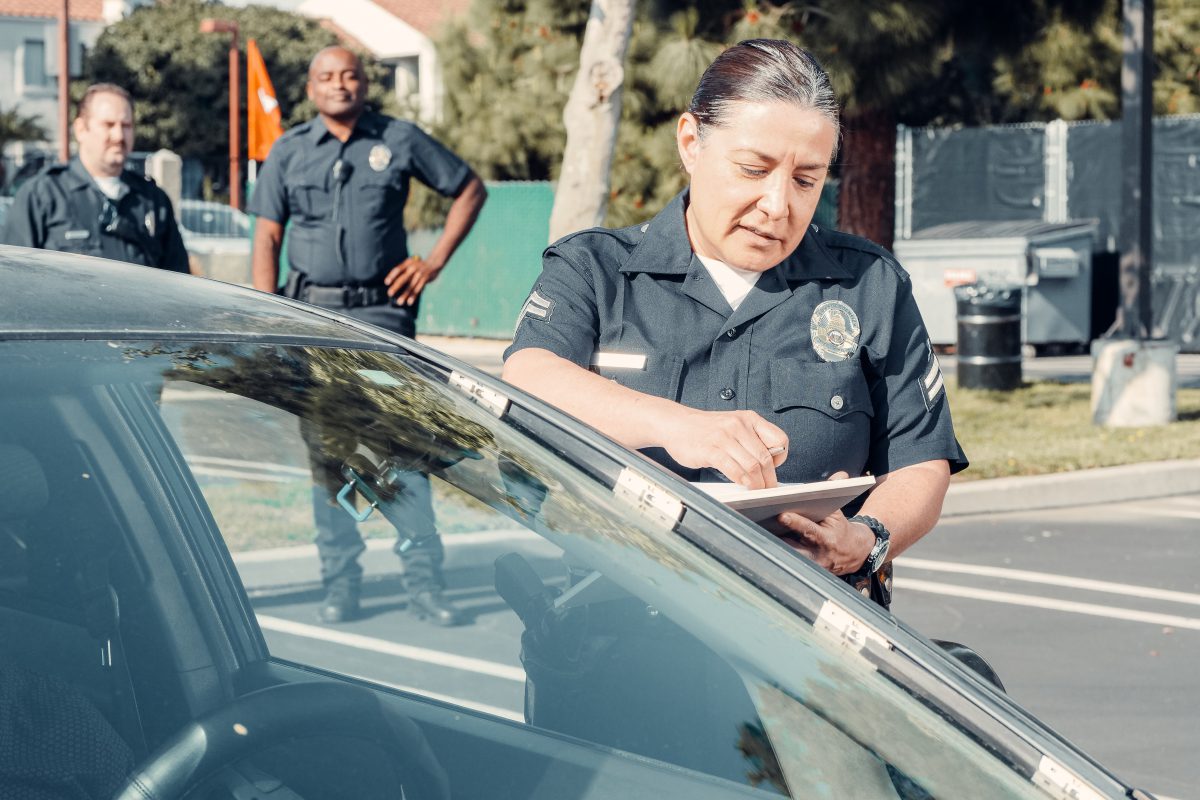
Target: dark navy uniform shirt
(828,345)
(347,227)
(62,208)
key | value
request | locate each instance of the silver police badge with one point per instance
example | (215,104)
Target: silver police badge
(835,331)
(380,157)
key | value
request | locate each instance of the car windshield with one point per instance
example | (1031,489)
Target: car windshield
(587,617)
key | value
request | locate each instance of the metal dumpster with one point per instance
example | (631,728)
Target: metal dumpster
(1052,260)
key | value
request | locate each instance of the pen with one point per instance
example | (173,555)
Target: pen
(777,451)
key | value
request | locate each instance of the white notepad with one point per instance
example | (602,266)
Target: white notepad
(815,500)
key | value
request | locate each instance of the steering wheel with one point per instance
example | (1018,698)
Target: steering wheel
(271,717)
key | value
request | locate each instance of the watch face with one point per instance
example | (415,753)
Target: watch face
(879,554)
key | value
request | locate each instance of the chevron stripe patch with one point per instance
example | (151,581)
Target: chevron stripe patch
(536,307)
(932,384)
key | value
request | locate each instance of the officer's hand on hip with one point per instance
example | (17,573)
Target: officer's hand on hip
(743,446)
(835,543)
(408,279)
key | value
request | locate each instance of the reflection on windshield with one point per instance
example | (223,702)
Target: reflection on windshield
(626,635)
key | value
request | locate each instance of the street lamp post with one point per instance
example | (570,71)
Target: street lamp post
(64,81)
(210,25)
(1134,373)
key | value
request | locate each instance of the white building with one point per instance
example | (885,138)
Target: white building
(398,33)
(29,52)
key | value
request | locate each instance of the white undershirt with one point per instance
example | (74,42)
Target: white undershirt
(734,283)
(111,186)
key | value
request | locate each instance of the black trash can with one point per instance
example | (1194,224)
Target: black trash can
(989,336)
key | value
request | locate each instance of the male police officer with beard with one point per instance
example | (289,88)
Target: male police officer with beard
(92,204)
(342,180)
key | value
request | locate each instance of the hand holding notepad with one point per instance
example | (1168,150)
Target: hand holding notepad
(816,500)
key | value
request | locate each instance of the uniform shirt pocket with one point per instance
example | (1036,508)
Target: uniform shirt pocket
(658,375)
(825,409)
(310,200)
(837,389)
(378,195)
(66,237)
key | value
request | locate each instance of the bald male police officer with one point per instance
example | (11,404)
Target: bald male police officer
(92,204)
(342,180)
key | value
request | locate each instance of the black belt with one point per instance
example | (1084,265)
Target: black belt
(347,296)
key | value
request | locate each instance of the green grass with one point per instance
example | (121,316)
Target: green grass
(254,514)
(1046,427)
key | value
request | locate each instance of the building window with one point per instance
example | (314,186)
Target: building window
(34,62)
(408,76)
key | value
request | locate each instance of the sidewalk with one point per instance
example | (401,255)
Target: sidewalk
(1084,487)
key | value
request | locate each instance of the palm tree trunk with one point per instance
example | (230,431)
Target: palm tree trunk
(592,115)
(866,199)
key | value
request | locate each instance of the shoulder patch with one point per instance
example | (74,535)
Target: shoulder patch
(537,306)
(932,383)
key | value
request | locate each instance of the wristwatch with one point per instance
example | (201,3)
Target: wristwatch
(879,553)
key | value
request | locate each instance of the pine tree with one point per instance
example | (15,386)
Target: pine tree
(1072,70)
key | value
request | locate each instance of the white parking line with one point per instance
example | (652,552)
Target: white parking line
(215,472)
(257,466)
(449,541)
(1034,601)
(1155,511)
(1050,579)
(370,643)
(495,711)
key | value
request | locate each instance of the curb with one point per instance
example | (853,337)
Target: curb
(1083,487)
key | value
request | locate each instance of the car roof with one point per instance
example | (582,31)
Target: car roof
(45,294)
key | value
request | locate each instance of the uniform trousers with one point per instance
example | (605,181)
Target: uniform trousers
(338,541)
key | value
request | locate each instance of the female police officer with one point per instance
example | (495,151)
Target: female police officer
(731,334)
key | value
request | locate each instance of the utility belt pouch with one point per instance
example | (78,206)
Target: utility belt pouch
(877,586)
(295,285)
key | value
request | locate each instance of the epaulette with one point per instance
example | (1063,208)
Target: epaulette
(838,240)
(848,241)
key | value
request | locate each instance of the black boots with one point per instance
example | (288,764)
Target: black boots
(432,605)
(340,603)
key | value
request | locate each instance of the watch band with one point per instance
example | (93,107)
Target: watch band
(878,555)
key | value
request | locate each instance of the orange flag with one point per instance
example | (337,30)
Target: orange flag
(262,109)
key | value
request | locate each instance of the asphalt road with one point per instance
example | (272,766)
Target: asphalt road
(1111,665)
